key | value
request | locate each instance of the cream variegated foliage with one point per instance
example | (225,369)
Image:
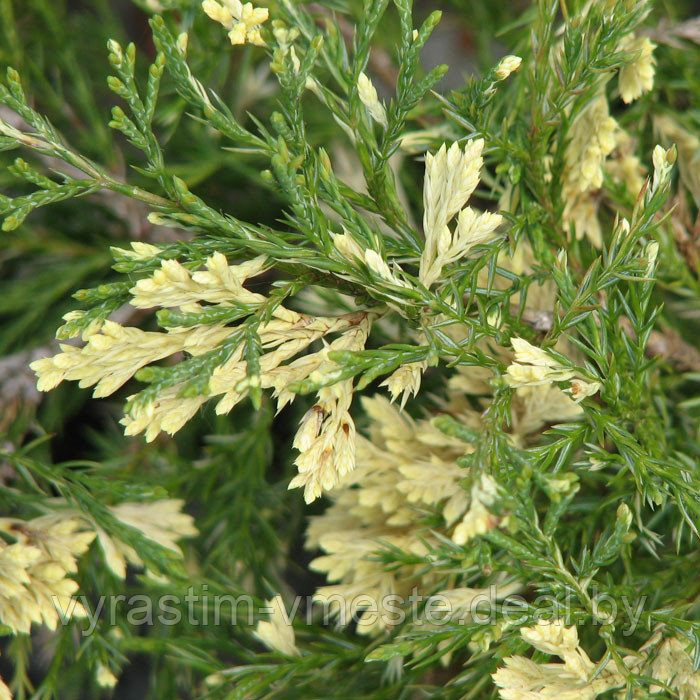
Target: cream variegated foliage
(161,521)
(673,666)
(451,176)
(326,436)
(403,465)
(368,96)
(242,21)
(637,77)
(688,145)
(478,520)
(35,569)
(522,679)
(534,367)
(105,678)
(507,65)
(113,353)
(470,493)
(592,138)
(173,285)
(626,166)
(277,633)
(5,693)
(405,381)
(666,660)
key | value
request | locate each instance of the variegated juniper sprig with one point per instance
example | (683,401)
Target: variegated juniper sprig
(351,260)
(558,468)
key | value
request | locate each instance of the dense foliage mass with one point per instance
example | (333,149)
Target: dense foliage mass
(371,379)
